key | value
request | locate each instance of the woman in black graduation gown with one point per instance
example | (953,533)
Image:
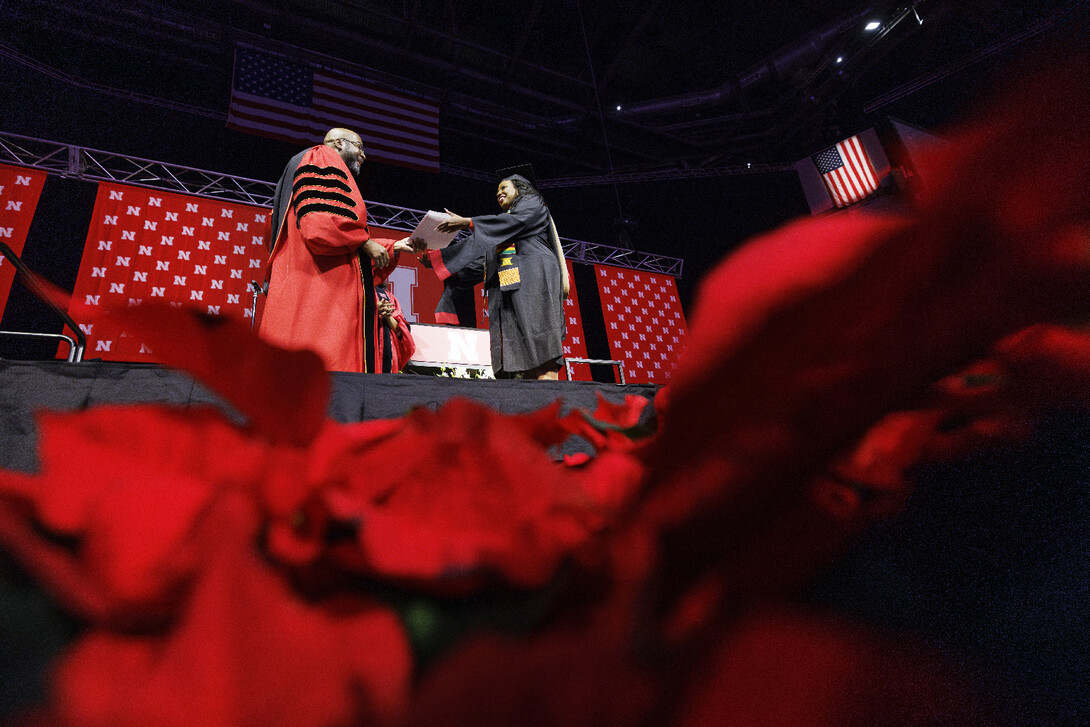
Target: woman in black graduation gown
(524,275)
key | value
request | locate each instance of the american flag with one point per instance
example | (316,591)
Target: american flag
(298,102)
(847,172)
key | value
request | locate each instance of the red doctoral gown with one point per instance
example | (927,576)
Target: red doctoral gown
(320,282)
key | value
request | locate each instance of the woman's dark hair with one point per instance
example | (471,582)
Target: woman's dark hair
(522,184)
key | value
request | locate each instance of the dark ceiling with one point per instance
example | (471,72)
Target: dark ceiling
(704,87)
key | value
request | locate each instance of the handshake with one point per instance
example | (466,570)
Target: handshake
(378,253)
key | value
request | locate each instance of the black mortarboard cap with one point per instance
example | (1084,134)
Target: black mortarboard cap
(525,170)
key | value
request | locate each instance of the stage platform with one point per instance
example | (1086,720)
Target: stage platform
(26,386)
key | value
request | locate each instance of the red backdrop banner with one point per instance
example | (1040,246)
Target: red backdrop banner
(189,251)
(575,345)
(644,322)
(160,246)
(20,189)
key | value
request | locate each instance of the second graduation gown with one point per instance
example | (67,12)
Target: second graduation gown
(526,326)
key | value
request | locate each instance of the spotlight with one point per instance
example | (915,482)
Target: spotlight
(872,25)
(840,59)
(618,107)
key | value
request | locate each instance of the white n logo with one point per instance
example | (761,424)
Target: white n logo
(403,287)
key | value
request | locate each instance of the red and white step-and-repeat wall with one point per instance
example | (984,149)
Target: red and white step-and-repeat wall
(149,245)
(20,189)
(644,322)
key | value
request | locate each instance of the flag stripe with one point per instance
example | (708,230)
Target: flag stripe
(274,117)
(419,105)
(289,131)
(853,171)
(338,88)
(861,162)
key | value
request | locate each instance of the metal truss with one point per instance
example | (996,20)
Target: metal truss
(76,162)
(79,162)
(590,252)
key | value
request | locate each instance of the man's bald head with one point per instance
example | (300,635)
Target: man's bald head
(349,145)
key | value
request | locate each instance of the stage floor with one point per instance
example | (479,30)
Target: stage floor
(26,386)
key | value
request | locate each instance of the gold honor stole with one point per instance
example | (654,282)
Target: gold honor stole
(509,269)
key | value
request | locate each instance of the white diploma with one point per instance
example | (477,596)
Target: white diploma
(426,230)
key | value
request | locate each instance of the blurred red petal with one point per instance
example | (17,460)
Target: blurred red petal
(246,650)
(283,393)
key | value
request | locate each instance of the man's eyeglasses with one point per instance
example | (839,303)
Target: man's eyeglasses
(356,144)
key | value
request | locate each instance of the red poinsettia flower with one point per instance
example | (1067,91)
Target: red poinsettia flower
(244,648)
(429,509)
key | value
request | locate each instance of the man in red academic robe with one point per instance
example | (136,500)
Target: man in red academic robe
(320,291)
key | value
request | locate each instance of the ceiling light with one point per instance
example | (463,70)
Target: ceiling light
(840,59)
(872,25)
(618,107)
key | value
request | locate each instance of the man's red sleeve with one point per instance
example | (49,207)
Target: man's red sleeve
(328,207)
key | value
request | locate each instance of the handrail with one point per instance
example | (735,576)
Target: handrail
(67,339)
(30,279)
(569,361)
